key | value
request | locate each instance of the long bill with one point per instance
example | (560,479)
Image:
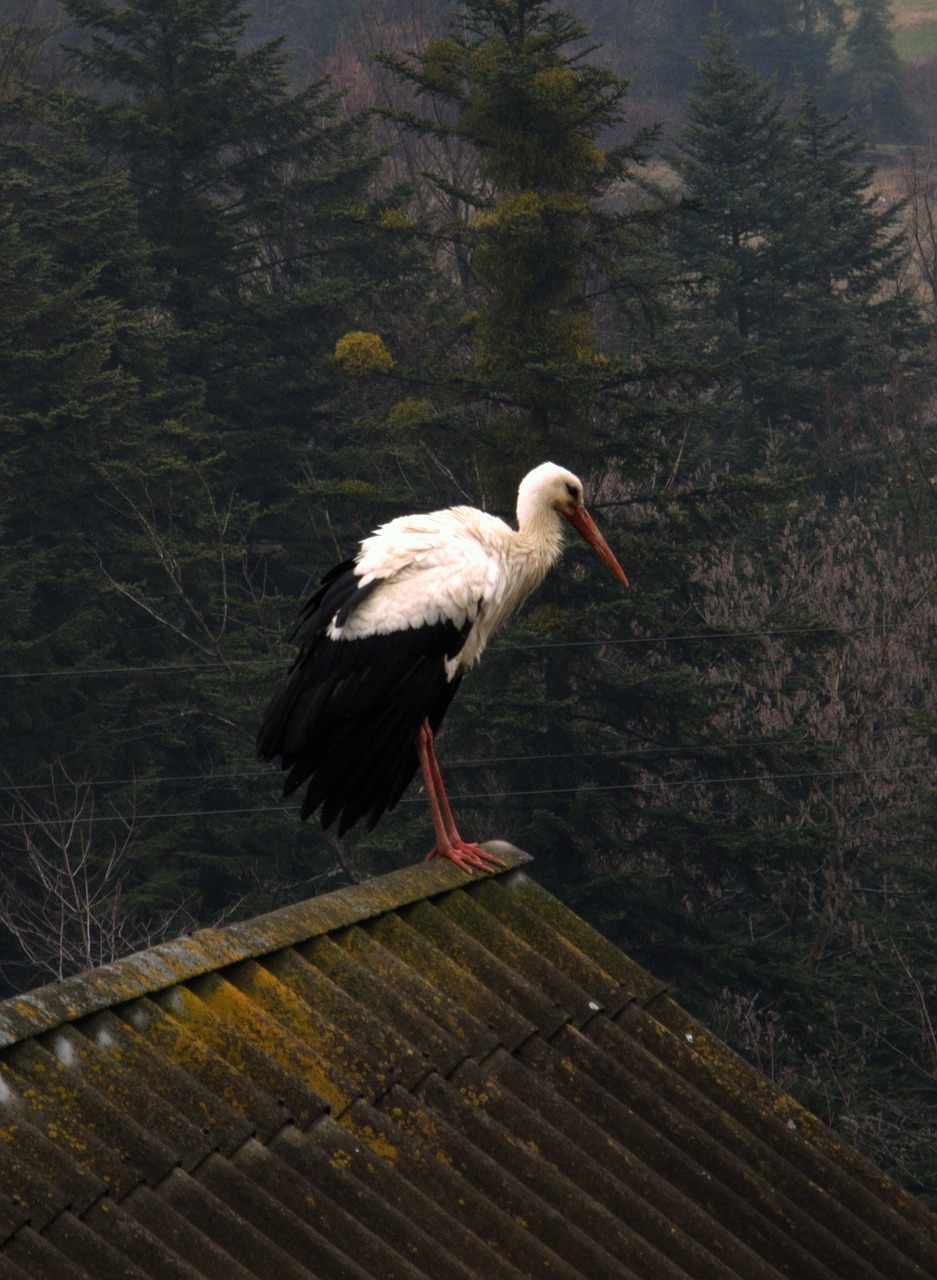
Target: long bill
(583,523)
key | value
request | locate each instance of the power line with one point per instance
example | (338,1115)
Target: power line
(694,637)
(477,762)
(150,780)
(664,784)
(146,817)
(155,669)
(510,795)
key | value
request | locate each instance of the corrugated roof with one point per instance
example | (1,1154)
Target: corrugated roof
(419,1076)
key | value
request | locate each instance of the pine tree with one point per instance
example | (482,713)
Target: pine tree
(542,232)
(164,406)
(593,735)
(789,240)
(795,260)
(734,149)
(74,301)
(252,198)
(778,39)
(871,86)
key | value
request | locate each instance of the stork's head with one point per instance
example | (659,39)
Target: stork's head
(549,487)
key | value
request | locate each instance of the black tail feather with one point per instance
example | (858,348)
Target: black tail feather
(345,719)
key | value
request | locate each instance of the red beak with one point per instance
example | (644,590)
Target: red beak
(583,523)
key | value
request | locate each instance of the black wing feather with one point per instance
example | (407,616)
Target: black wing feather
(345,719)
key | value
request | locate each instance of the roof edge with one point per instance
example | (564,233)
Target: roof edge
(168,963)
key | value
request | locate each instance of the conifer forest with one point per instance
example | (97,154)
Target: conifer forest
(269,278)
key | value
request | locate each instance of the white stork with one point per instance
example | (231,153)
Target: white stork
(384,643)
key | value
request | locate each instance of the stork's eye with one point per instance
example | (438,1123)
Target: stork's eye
(573,492)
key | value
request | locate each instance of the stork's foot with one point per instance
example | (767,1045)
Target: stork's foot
(449,844)
(467,857)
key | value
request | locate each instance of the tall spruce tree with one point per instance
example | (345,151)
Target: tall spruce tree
(516,85)
(251,197)
(795,267)
(170,373)
(871,84)
(795,259)
(82,338)
(783,39)
(585,735)
(78,342)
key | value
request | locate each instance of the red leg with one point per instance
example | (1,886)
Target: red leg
(449,844)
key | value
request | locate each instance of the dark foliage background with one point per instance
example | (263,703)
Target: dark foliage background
(248,311)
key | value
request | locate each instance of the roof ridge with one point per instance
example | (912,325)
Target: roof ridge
(169,963)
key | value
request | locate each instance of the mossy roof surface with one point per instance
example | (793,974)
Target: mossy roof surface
(420,1076)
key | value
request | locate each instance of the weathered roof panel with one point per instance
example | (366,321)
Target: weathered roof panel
(421,1076)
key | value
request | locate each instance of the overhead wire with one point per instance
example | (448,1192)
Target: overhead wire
(503,646)
(151,669)
(590,789)
(453,765)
